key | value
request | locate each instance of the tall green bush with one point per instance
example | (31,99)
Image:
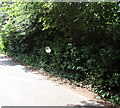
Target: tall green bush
(83,40)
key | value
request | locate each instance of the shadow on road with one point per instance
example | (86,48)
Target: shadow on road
(6,61)
(90,104)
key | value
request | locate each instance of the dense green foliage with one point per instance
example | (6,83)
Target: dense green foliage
(77,41)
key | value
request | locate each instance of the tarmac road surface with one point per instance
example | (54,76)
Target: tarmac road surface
(20,86)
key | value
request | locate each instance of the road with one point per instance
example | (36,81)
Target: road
(20,86)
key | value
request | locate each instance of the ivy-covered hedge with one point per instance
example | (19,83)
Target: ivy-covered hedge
(77,41)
